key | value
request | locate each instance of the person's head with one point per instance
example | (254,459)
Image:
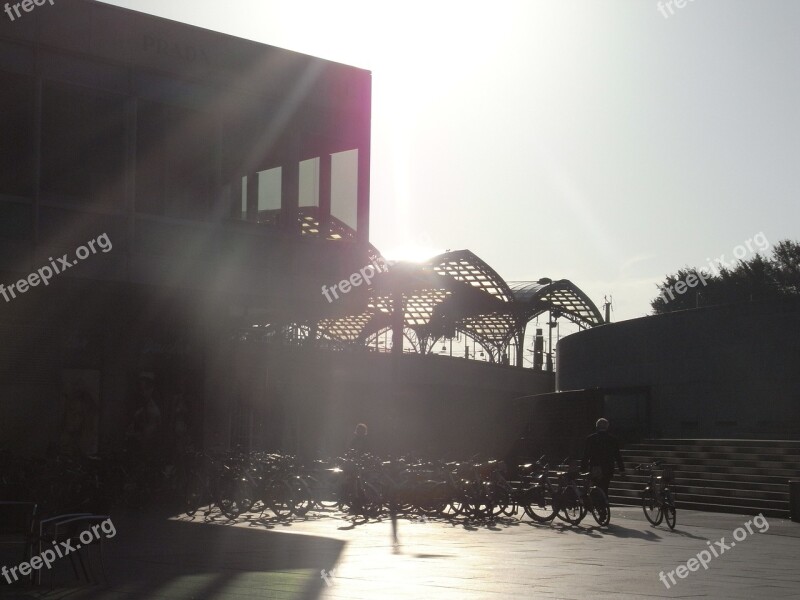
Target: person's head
(602,424)
(361,429)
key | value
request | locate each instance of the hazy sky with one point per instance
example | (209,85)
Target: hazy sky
(591,140)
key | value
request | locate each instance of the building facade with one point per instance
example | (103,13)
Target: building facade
(188,180)
(714,372)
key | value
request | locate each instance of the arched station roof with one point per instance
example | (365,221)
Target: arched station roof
(562,296)
(457,291)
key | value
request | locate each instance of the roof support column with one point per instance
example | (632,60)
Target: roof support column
(520,339)
(398,318)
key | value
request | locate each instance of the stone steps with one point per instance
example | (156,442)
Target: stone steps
(682,491)
(731,476)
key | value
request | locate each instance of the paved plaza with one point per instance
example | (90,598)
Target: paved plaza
(327,557)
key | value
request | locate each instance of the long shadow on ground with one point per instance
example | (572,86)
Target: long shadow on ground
(154,558)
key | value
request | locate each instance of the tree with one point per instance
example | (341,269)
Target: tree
(758,278)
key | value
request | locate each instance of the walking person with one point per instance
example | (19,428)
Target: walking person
(600,453)
(359,443)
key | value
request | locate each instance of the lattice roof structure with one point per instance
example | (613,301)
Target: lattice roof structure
(459,292)
(308,218)
(463,265)
(344,329)
(562,297)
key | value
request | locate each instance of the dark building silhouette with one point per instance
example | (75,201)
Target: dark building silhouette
(715,372)
(227,178)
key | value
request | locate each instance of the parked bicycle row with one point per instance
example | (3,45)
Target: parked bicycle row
(67,483)
(280,487)
(371,487)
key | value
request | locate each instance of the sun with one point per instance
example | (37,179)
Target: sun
(412,253)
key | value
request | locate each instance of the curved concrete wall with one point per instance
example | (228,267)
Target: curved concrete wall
(730,371)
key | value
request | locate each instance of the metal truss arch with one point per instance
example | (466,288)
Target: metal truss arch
(456,293)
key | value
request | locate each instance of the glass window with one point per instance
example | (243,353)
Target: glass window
(309,183)
(344,187)
(269,195)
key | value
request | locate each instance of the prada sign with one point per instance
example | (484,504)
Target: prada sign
(188,53)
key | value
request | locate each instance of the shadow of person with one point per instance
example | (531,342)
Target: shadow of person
(626,532)
(354,522)
(566,528)
(686,534)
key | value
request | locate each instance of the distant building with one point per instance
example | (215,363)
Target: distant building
(728,371)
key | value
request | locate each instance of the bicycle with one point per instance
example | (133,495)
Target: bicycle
(596,501)
(572,501)
(359,495)
(275,481)
(536,493)
(325,483)
(210,482)
(658,499)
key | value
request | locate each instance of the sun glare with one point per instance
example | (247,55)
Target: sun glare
(412,253)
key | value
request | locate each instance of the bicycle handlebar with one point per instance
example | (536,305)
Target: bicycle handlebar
(648,466)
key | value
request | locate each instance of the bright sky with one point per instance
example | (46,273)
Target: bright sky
(592,140)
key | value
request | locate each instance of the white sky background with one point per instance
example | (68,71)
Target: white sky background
(591,140)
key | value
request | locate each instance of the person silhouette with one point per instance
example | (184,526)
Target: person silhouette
(359,442)
(600,453)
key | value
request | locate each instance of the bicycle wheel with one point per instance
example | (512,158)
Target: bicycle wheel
(301,498)
(432,498)
(227,499)
(194,495)
(328,496)
(328,504)
(456,507)
(371,499)
(481,505)
(571,509)
(498,501)
(510,508)
(279,499)
(245,495)
(670,514)
(539,505)
(481,510)
(651,507)
(601,511)
(323,492)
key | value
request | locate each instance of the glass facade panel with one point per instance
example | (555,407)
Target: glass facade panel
(309,183)
(269,194)
(344,187)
